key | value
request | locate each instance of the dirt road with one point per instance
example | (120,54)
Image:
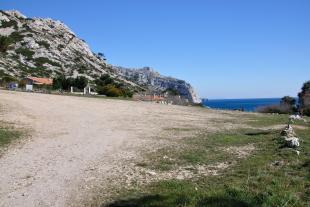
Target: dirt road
(78,144)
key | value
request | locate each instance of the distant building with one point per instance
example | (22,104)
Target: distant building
(38,81)
(35,81)
(147,97)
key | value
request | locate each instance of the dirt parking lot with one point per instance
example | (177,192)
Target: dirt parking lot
(76,146)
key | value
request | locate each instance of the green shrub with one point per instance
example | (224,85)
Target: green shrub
(82,69)
(44,44)
(16,37)
(40,61)
(4,43)
(25,52)
(109,90)
(279,109)
(64,83)
(60,47)
(12,23)
(107,86)
(80,82)
(104,80)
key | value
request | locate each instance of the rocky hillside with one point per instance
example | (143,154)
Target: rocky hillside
(47,48)
(155,82)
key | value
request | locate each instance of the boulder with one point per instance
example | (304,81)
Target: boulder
(292,142)
(288,132)
(296,117)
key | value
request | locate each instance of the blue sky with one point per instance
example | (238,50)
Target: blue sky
(224,48)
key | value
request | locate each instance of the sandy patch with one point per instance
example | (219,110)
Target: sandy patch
(240,151)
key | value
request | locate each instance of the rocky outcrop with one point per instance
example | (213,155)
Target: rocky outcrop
(289,137)
(47,48)
(153,81)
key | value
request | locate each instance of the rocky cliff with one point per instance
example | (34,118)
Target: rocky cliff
(47,48)
(155,82)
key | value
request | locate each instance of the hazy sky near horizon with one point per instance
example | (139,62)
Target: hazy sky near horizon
(224,48)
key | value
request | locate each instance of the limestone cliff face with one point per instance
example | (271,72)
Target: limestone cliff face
(46,48)
(152,80)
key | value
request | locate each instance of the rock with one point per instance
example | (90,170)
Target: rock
(292,142)
(151,173)
(49,39)
(296,117)
(289,137)
(156,82)
(278,163)
(288,132)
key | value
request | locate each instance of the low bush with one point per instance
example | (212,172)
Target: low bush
(279,109)
(42,60)
(4,43)
(64,83)
(109,90)
(107,86)
(16,37)
(12,23)
(44,44)
(25,52)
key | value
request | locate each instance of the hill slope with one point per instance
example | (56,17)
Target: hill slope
(46,48)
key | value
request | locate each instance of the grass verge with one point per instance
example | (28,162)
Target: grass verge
(270,176)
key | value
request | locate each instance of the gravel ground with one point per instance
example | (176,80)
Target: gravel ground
(79,146)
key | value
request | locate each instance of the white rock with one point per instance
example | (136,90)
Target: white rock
(151,173)
(292,142)
(288,132)
(296,117)
(6,31)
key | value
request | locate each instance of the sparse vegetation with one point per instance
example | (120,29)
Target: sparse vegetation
(279,109)
(25,52)
(16,37)
(286,106)
(105,85)
(4,43)
(60,47)
(11,23)
(270,176)
(42,60)
(7,134)
(44,44)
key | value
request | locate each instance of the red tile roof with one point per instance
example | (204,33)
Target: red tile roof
(41,81)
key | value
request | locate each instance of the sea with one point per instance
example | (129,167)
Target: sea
(249,105)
